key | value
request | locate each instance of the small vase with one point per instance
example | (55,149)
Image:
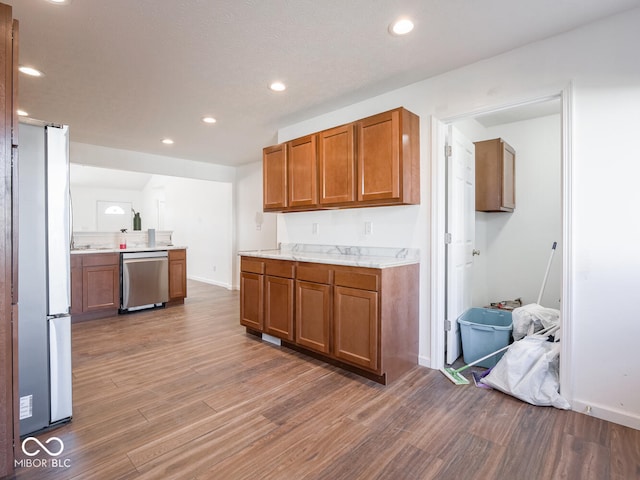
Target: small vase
(137,221)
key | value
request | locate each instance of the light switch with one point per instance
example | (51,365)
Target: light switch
(315,228)
(368,228)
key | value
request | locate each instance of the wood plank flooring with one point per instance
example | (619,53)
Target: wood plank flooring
(185,393)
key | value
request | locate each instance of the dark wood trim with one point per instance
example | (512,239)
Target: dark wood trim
(8,307)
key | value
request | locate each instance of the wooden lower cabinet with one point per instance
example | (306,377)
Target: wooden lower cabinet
(100,287)
(363,319)
(278,307)
(251,300)
(313,315)
(177,275)
(95,285)
(356,328)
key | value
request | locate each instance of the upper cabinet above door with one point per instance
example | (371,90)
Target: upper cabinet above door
(374,161)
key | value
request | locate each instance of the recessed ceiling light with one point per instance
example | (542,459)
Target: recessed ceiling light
(402,26)
(209,119)
(30,71)
(22,113)
(278,87)
(59,2)
(167,141)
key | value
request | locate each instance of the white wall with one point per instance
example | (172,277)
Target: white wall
(99,156)
(602,261)
(200,214)
(515,247)
(199,204)
(250,233)
(84,204)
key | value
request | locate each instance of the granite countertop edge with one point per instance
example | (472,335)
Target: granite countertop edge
(80,251)
(333,258)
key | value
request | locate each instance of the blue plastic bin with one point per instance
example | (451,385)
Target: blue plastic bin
(484,330)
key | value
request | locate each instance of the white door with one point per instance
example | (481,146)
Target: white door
(460,227)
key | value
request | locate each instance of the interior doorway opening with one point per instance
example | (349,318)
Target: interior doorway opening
(514,247)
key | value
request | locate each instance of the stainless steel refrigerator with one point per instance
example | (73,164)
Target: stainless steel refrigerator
(44,292)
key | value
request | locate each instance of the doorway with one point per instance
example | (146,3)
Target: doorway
(514,247)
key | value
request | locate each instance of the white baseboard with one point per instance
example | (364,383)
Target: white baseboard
(424,361)
(210,282)
(627,419)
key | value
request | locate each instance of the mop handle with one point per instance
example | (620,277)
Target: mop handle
(546,275)
(547,331)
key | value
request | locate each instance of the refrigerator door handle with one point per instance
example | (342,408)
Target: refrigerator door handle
(57,208)
(60,367)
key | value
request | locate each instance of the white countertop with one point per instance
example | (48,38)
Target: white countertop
(126,250)
(337,255)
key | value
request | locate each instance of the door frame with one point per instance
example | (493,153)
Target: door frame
(437,237)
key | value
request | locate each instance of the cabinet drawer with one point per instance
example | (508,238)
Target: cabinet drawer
(314,273)
(251,265)
(95,259)
(366,280)
(280,268)
(177,254)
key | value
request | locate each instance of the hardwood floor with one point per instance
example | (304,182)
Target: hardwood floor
(185,393)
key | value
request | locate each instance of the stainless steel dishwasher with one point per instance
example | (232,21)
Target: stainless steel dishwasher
(145,280)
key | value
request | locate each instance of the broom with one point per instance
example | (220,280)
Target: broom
(456,377)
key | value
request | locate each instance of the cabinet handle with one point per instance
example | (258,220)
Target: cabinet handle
(475,252)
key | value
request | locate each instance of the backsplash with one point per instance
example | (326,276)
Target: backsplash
(408,253)
(86,240)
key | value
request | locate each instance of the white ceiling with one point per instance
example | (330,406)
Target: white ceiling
(127,73)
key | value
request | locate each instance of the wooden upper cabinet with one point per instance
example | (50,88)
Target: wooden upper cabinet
(389,158)
(495,176)
(274,177)
(379,157)
(372,162)
(302,168)
(337,165)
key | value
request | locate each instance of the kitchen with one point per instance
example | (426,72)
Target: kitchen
(500,81)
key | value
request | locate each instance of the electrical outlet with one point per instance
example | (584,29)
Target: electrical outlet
(315,228)
(215,268)
(368,228)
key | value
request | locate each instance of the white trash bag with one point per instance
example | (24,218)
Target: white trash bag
(529,371)
(531,318)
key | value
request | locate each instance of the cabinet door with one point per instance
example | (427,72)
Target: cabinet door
(302,166)
(274,177)
(100,287)
(337,166)
(251,300)
(508,177)
(313,314)
(356,326)
(177,274)
(495,176)
(379,157)
(278,307)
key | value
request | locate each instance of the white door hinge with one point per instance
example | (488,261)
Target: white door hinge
(447,238)
(447,325)
(447,150)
